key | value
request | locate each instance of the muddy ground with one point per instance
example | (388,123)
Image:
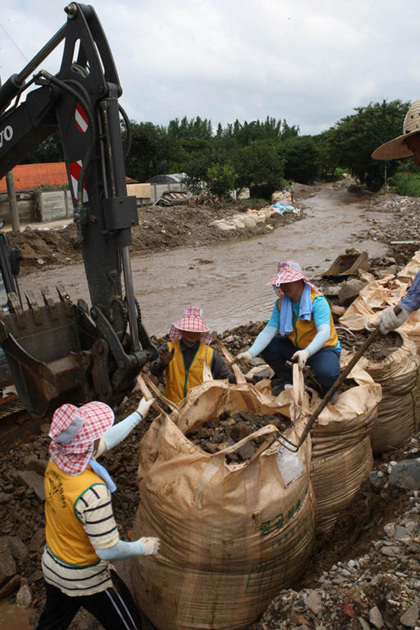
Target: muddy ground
(160,228)
(351,576)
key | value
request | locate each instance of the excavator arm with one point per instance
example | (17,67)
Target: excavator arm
(62,351)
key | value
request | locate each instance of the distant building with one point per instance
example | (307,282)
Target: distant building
(161,184)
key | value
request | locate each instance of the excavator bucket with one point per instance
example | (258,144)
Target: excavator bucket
(48,332)
(348,264)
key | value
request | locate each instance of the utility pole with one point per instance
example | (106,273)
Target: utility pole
(11,193)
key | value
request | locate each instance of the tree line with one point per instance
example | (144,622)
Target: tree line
(262,155)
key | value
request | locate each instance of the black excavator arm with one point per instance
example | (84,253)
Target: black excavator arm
(62,351)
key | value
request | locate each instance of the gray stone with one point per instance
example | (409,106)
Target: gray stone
(34,481)
(313,602)
(406,474)
(402,532)
(376,618)
(18,548)
(34,463)
(350,291)
(37,540)
(390,552)
(377,479)
(409,618)
(7,564)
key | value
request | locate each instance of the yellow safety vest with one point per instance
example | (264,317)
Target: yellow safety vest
(64,533)
(179,380)
(304,331)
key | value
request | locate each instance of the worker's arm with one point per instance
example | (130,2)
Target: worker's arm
(321,313)
(146,546)
(120,431)
(94,510)
(266,335)
(158,366)
(411,300)
(219,369)
(390,320)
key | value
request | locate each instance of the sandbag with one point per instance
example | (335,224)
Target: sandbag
(232,535)
(398,374)
(341,450)
(380,294)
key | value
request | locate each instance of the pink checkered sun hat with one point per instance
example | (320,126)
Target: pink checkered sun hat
(73,433)
(288,271)
(192,321)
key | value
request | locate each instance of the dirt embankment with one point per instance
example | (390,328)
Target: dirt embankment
(160,228)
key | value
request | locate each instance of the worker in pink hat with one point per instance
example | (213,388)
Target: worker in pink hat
(183,358)
(81,533)
(300,329)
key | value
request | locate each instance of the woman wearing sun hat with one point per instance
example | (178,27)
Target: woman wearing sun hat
(81,533)
(300,329)
(183,358)
(405,145)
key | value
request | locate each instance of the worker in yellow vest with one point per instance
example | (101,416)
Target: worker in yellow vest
(81,533)
(183,358)
(300,329)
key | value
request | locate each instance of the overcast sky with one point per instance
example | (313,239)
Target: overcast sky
(310,62)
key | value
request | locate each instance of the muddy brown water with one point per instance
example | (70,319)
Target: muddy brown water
(228,280)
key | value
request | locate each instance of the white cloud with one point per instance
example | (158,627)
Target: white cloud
(310,62)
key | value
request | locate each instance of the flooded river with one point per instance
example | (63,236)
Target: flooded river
(228,280)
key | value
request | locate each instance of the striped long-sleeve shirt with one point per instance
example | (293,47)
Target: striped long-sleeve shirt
(94,510)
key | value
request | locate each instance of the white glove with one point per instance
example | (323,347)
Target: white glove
(144,406)
(150,545)
(243,357)
(301,356)
(388,320)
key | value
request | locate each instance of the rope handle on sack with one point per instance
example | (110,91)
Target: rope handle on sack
(146,384)
(239,375)
(269,428)
(299,400)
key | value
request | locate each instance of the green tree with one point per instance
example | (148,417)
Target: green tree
(50,150)
(259,163)
(302,159)
(350,143)
(221,179)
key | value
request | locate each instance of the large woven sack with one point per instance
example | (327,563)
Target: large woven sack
(341,449)
(232,535)
(398,374)
(380,294)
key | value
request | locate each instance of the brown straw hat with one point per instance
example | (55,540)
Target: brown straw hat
(397,147)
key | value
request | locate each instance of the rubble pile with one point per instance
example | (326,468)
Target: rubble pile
(378,350)
(227,430)
(376,583)
(402,235)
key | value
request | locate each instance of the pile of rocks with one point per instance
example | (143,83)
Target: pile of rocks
(377,588)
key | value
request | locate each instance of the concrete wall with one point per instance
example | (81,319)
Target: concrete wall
(158,189)
(25,208)
(53,205)
(40,207)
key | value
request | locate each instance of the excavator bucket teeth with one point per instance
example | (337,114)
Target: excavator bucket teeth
(43,350)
